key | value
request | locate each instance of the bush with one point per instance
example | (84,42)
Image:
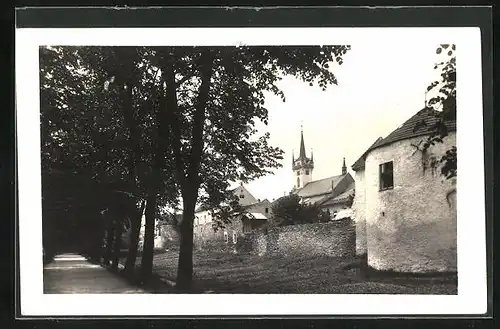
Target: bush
(289,210)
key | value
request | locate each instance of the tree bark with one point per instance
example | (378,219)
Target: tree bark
(117,244)
(192,179)
(185,266)
(153,186)
(135,229)
(109,242)
(149,230)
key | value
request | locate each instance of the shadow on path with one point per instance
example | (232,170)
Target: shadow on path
(74,274)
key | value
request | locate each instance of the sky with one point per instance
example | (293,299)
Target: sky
(378,89)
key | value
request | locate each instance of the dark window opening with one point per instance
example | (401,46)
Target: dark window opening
(267,210)
(298,172)
(386,176)
(242,196)
(307,172)
(298,182)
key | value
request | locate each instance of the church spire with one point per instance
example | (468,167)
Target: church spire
(312,158)
(344,168)
(302,153)
(293,157)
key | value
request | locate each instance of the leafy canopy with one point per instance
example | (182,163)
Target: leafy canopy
(289,210)
(444,104)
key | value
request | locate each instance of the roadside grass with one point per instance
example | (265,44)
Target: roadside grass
(244,273)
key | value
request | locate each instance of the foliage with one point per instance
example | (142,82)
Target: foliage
(162,121)
(289,210)
(443,106)
(214,98)
(449,161)
(89,157)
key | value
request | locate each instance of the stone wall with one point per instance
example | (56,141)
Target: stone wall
(359,213)
(253,243)
(412,227)
(169,237)
(205,238)
(334,239)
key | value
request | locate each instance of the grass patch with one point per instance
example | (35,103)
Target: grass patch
(244,273)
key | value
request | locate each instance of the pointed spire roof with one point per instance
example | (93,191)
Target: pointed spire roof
(302,154)
(302,161)
(344,168)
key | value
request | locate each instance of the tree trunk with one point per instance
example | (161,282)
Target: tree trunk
(185,265)
(118,244)
(134,240)
(109,243)
(189,178)
(149,230)
(162,140)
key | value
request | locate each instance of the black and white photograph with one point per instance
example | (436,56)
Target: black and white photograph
(251,166)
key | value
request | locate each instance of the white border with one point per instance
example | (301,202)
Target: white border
(472,288)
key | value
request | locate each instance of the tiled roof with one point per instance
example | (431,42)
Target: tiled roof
(258,203)
(258,215)
(360,163)
(318,187)
(205,207)
(344,196)
(418,125)
(407,130)
(314,199)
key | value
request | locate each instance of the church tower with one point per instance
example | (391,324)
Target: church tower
(302,166)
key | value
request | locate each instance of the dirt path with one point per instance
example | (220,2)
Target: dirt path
(74,274)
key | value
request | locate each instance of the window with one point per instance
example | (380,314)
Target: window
(226,238)
(298,172)
(298,182)
(242,196)
(307,172)
(267,210)
(235,237)
(386,176)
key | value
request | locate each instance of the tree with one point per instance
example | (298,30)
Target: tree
(214,96)
(128,74)
(444,106)
(68,127)
(97,105)
(192,111)
(289,210)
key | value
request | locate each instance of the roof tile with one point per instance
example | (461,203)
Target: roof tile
(418,125)
(318,187)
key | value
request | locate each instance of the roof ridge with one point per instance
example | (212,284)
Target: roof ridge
(425,113)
